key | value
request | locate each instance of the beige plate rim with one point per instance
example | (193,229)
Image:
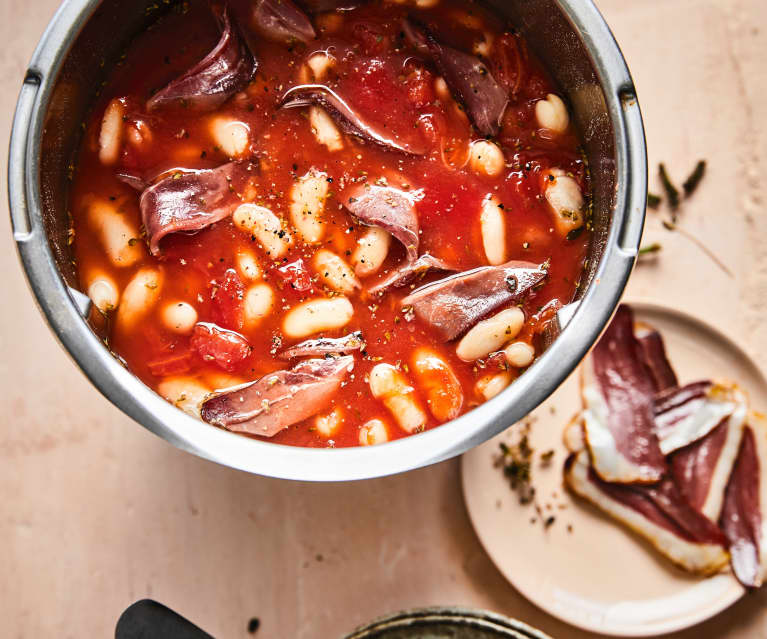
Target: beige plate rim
(708,607)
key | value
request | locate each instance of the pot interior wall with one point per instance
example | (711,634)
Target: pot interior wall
(113,24)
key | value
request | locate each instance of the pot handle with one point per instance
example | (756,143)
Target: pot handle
(21,223)
(636,165)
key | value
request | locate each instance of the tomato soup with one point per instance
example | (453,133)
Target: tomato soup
(328,224)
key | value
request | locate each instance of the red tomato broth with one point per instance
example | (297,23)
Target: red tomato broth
(193,266)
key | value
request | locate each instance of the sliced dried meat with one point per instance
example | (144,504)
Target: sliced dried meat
(455,303)
(189,201)
(227,69)
(618,416)
(702,469)
(388,208)
(485,100)
(745,506)
(325,345)
(347,118)
(320,6)
(657,512)
(654,357)
(282,21)
(277,400)
(410,272)
(687,413)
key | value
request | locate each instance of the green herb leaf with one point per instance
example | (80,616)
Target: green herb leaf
(653,201)
(691,183)
(672,193)
(649,249)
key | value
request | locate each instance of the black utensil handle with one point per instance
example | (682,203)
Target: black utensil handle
(148,619)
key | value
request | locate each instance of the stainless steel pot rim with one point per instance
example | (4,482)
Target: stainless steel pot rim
(458,616)
(264,458)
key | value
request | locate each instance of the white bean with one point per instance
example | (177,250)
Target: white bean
(139,133)
(490,385)
(316,315)
(320,63)
(119,236)
(551,114)
(490,334)
(519,354)
(103,293)
(371,251)
(565,199)
(493,225)
(307,202)
(438,382)
(257,304)
(373,432)
(441,89)
(426,4)
(179,317)
(232,136)
(185,393)
(486,158)
(265,226)
(219,380)
(328,425)
(140,295)
(482,47)
(247,265)
(325,130)
(304,75)
(335,272)
(111,134)
(393,389)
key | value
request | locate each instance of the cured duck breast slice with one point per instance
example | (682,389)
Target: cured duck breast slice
(745,506)
(702,469)
(227,69)
(282,21)
(325,345)
(275,401)
(687,413)
(188,201)
(388,208)
(618,417)
(410,272)
(472,82)
(657,512)
(348,119)
(455,303)
(654,357)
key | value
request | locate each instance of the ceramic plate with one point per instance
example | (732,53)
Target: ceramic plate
(584,568)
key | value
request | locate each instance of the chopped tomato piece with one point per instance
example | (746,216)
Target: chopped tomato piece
(214,344)
(227,297)
(420,88)
(295,275)
(172,365)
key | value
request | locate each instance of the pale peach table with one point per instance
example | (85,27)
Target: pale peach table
(95,512)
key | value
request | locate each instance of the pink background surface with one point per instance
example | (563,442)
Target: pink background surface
(96,512)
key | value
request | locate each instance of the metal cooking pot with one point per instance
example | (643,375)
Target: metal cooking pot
(572,40)
(446,623)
